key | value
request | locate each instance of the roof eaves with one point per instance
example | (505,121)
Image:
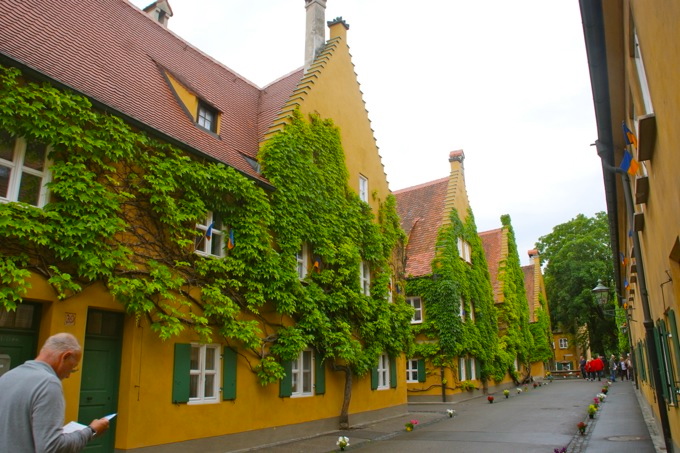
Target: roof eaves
(36,74)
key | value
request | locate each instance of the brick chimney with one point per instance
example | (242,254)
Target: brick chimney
(160,11)
(315,31)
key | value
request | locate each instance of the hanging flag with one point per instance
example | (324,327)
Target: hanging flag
(317,263)
(208,232)
(628,164)
(629,136)
(231,243)
(625,283)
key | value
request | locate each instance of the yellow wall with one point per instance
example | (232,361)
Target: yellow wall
(336,94)
(148,376)
(656,25)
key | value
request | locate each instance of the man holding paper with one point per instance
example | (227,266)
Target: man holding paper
(32,402)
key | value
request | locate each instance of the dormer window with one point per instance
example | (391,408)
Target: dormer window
(207,117)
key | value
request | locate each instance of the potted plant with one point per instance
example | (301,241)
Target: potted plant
(342,442)
(581,428)
(506,392)
(490,398)
(467,385)
(591,411)
(410,425)
(535,384)
(519,390)
(601,397)
(605,389)
(450,413)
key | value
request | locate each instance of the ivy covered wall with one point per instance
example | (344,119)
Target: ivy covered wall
(445,335)
(123,211)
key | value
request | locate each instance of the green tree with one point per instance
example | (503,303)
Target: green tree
(577,254)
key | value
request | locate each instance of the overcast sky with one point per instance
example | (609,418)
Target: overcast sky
(506,82)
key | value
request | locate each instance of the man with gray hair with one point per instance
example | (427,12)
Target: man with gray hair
(32,402)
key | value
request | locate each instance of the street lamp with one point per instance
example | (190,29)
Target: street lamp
(601,293)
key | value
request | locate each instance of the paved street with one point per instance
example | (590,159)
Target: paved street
(538,420)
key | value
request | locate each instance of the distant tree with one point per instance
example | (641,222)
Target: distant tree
(576,255)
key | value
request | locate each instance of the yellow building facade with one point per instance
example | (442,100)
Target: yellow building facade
(127,368)
(634,59)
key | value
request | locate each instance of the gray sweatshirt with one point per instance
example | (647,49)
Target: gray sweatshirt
(32,412)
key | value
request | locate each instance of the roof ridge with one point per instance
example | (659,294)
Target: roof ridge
(189,45)
(423,185)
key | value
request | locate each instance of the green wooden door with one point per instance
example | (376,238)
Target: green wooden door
(18,335)
(101,373)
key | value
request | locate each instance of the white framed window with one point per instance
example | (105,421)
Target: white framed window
(302,258)
(23,170)
(206,117)
(210,235)
(473,370)
(461,310)
(464,250)
(417,304)
(390,286)
(412,370)
(472,311)
(365,278)
(462,369)
(564,343)
(363,188)
(204,374)
(383,372)
(303,374)
(642,76)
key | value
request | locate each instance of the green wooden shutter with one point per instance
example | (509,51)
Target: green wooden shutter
(181,373)
(319,374)
(393,372)
(422,375)
(666,364)
(468,367)
(460,370)
(478,372)
(374,378)
(286,384)
(676,344)
(229,374)
(662,364)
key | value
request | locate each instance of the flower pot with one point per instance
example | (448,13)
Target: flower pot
(591,415)
(408,428)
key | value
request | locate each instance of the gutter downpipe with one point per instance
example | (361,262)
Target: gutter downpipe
(603,150)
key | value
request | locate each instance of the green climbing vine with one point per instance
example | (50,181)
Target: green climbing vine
(541,333)
(515,340)
(454,281)
(123,211)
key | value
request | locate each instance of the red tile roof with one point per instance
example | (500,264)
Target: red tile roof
(421,209)
(115,54)
(492,241)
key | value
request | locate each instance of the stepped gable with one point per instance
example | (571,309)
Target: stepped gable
(421,211)
(119,57)
(492,241)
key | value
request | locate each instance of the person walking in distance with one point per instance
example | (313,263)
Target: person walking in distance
(582,366)
(613,365)
(623,369)
(32,402)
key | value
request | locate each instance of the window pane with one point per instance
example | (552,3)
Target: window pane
(4,180)
(216,245)
(209,386)
(195,353)
(307,382)
(6,146)
(35,156)
(29,190)
(210,359)
(193,386)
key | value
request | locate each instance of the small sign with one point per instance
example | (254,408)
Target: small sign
(70,319)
